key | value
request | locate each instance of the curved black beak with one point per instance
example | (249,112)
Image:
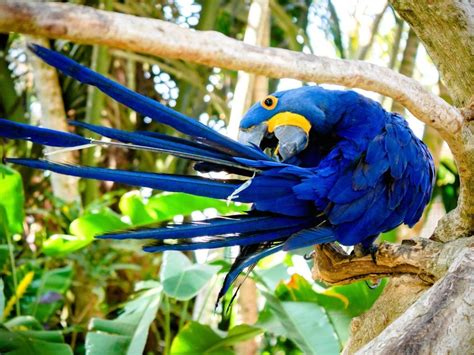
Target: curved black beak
(284,142)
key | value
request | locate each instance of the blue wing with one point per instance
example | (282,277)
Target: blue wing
(367,189)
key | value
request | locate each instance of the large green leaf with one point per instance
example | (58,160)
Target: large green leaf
(126,334)
(237,334)
(90,225)
(196,338)
(341,303)
(182,279)
(306,324)
(134,206)
(38,342)
(63,244)
(169,205)
(359,296)
(13,198)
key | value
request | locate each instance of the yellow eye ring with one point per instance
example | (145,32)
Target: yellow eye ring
(269,102)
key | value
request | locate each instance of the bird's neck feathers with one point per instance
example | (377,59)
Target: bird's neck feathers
(361,120)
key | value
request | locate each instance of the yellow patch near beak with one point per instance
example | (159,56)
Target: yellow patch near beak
(288,119)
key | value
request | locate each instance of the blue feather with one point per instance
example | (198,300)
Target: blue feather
(308,237)
(167,182)
(180,148)
(49,137)
(142,104)
(249,261)
(242,240)
(216,226)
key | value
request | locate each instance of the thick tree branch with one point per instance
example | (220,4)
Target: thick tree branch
(425,258)
(440,321)
(446,29)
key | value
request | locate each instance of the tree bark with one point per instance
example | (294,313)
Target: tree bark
(446,28)
(407,65)
(439,322)
(53,116)
(244,90)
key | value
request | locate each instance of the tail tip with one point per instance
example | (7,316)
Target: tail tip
(33,47)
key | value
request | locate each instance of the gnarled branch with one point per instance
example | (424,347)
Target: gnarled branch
(425,258)
(439,322)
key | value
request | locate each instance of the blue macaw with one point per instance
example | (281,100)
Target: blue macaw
(337,168)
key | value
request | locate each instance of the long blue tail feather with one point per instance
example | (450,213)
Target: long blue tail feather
(217,227)
(147,141)
(246,261)
(180,148)
(220,242)
(174,183)
(213,227)
(143,104)
(39,135)
(309,237)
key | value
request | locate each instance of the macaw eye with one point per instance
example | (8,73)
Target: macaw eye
(269,102)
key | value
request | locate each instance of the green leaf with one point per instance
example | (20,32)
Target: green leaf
(272,276)
(126,334)
(33,342)
(61,245)
(23,322)
(169,205)
(306,324)
(298,289)
(181,279)
(13,198)
(360,297)
(196,338)
(236,335)
(390,236)
(90,225)
(133,205)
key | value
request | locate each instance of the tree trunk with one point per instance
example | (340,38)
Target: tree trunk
(446,29)
(407,65)
(53,116)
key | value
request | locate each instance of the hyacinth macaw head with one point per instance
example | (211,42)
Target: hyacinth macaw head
(285,122)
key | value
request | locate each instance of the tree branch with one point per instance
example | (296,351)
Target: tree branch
(53,116)
(446,29)
(439,322)
(427,259)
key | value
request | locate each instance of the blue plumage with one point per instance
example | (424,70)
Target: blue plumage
(338,168)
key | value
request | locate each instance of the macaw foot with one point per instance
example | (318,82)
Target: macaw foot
(361,250)
(373,285)
(309,256)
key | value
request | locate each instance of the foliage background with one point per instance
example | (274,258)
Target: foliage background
(63,292)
